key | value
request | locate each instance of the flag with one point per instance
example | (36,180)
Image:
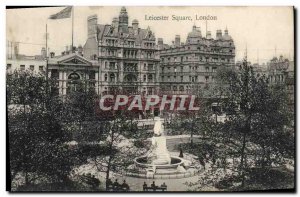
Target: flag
(65,13)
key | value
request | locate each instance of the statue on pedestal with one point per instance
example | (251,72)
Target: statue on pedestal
(159,153)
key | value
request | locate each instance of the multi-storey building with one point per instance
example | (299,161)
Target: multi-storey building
(193,64)
(127,55)
(277,68)
(281,71)
(16,61)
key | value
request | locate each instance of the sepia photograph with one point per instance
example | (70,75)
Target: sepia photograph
(150,99)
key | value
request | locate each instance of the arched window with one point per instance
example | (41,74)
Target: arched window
(73,83)
(105,77)
(112,77)
(150,78)
(181,88)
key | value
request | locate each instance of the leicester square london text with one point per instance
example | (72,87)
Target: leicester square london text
(179,18)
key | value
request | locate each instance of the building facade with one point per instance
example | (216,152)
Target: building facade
(281,71)
(127,56)
(187,66)
(16,61)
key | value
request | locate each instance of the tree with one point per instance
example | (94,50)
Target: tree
(257,112)
(37,141)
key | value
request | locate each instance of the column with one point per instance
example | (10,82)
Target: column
(60,82)
(64,83)
(97,82)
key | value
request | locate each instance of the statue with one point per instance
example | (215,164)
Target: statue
(159,153)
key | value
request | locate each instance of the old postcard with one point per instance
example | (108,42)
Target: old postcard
(150,99)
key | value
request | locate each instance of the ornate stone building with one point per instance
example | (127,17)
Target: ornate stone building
(191,65)
(281,71)
(127,56)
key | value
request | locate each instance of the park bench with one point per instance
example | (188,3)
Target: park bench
(154,188)
(117,187)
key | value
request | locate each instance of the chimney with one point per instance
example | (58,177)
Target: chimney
(52,54)
(92,26)
(208,35)
(80,50)
(135,26)
(219,34)
(160,43)
(43,53)
(115,22)
(16,49)
(177,41)
(67,50)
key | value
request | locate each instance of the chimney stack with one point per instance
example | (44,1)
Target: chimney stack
(208,35)
(92,26)
(80,50)
(52,54)
(43,53)
(219,34)
(177,41)
(160,43)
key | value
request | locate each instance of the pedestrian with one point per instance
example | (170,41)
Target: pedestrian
(116,185)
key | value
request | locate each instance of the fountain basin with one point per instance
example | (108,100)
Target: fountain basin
(142,162)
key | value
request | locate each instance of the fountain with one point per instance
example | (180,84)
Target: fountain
(158,163)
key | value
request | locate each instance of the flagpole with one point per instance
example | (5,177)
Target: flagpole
(47,48)
(73,29)
(47,70)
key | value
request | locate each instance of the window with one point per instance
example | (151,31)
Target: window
(181,88)
(112,77)
(150,78)
(41,68)
(144,78)
(92,74)
(105,77)
(214,69)
(31,67)
(112,65)
(181,78)
(8,66)
(206,69)
(169,78)
(162,78)
(174,78)
(145,66)
(150,67)
(22,67)
(206,79)
(181,68)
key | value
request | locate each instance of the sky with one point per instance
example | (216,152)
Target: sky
(264,31)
